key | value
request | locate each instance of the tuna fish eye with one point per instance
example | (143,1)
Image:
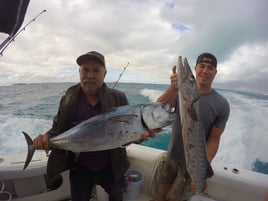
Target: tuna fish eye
(165,107)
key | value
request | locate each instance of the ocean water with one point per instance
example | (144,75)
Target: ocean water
(31,107)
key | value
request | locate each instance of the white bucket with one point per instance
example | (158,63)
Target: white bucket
(134,180)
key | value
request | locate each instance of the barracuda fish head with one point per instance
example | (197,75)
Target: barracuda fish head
(157,115)
(187,83)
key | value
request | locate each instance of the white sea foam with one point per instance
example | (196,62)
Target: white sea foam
(152,94)
(245,138)
(11,138)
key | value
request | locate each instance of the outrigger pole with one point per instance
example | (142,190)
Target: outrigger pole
(11,37)
(120,75)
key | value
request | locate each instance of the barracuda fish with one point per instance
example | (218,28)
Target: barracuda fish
(116,128)
(193,133)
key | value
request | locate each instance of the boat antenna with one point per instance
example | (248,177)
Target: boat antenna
(120,75)
(11,38)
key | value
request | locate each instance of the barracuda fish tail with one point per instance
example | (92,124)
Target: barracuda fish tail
(193,134)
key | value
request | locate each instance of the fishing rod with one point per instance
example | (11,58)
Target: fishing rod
(11,38)
(120,75)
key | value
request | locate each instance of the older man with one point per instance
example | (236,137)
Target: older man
(80,102)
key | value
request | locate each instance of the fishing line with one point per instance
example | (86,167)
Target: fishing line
(11,38)
(120,75)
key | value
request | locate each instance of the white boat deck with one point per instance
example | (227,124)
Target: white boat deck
(228,184)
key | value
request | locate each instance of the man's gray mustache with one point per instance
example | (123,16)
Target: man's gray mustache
(89,81)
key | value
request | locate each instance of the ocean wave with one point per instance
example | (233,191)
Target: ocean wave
(30,108)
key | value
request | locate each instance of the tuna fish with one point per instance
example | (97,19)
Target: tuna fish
(116,128)
(193,132)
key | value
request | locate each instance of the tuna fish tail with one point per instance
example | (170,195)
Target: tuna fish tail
(31,149)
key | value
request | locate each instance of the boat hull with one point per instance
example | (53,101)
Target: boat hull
(228,184)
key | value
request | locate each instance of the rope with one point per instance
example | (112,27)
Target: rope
(3,192)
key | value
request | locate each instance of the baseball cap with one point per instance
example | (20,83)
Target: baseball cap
(212,59)
(92,55)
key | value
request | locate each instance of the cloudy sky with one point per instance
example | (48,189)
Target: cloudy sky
(147,34)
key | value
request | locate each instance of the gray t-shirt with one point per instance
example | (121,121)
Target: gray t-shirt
(214,111)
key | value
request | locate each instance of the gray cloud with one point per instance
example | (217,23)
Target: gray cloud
(150,34)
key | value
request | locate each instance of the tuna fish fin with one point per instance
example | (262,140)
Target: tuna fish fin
(125,145)
(31,149)
(210,171)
